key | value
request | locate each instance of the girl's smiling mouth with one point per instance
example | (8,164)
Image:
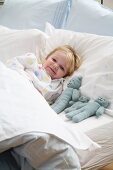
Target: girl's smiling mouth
(50,71)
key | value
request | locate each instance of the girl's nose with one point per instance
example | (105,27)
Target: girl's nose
(56,66)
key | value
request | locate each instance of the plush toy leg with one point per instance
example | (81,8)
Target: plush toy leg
(75,106)
(70,115)
(62,102)
(81,116)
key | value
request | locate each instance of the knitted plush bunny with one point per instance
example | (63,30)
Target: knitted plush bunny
(70,93)
(97,107)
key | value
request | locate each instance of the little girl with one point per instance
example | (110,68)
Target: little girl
(48,77)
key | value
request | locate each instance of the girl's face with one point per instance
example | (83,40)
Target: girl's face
(56,65)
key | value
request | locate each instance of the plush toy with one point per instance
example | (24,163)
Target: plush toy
(70,93)
(82,101)
(81,112)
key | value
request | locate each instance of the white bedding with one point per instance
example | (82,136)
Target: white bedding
(23,110)
(101,131)
(17,129)
(41,151)
(27,123)
(88,124)
(97,72)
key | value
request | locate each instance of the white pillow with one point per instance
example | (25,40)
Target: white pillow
(96,53)
(19,42)
(24,14)
(91,17)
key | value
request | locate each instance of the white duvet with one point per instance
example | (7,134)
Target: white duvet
(24,111)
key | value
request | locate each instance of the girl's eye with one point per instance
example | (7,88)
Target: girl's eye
(54,59)
(62,68)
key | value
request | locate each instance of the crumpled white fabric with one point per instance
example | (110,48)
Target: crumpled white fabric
(23,109)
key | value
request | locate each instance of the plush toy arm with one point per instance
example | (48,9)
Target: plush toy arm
(76,105)
(63,100)
(70,103)
(84,99)
(100,111)
(75,97)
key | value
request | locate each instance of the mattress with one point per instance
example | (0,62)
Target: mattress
(101,131)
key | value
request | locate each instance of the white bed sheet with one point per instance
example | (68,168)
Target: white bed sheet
(101,131)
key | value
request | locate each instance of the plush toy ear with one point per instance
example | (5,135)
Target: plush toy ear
(75,82)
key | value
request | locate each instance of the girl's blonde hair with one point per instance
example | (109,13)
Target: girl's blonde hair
(72,57)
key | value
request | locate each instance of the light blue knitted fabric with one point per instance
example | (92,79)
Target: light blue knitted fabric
(83,111)
(82,101)
(70,93)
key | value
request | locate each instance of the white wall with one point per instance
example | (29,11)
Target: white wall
(107,3)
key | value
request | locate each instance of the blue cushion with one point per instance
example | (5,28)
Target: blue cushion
(91,17)
(25,14)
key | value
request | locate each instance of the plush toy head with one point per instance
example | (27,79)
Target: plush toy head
(75,82)
(103,102)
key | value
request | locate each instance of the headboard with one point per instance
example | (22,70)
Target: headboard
(101,1)
(1,2)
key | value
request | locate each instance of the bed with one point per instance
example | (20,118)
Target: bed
(101,132)
(34,130)
(55,142)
